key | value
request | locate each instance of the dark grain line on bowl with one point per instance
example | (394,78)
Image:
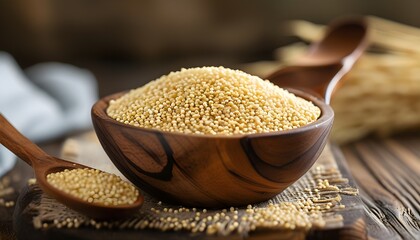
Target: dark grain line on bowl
(124,165)
(197,187)
(248,181)
(166,173)
(265,169)
(189,179)
(245,179)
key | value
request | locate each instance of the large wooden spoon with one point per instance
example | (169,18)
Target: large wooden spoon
(44,164)
(327,61)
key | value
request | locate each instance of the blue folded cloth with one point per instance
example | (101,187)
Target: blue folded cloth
(45,101)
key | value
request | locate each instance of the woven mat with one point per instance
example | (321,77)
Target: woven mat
(325,201)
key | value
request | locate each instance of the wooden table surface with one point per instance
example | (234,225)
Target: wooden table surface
(386,170)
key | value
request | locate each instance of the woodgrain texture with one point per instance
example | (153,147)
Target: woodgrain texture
(388,174)
(207,170)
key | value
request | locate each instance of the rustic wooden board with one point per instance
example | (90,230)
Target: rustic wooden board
(353,225)
(388,175)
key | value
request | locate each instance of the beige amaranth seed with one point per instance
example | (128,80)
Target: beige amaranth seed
(212,100)
(94,186)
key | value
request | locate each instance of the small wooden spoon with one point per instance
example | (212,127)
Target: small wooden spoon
(44,164)
(327,61)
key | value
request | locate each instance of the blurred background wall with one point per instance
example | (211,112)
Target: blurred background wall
(78,31)
(129,43)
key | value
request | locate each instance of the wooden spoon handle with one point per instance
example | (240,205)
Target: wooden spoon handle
(12,139)
(317,80)
(327,61)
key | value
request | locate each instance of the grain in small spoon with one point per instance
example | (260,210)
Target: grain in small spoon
(89,191)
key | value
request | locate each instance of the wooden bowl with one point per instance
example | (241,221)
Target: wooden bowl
(212,170)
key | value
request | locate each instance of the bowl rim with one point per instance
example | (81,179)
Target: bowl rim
(327,115)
